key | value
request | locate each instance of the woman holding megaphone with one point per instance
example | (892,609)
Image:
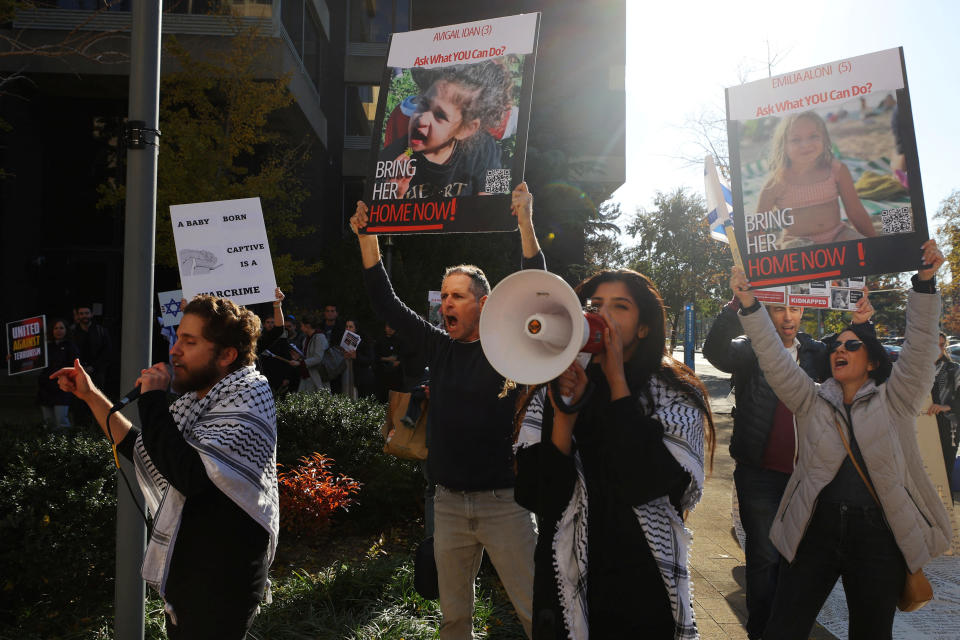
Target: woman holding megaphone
(611,473)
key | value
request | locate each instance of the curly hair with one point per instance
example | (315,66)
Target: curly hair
(487,90)
(228,325)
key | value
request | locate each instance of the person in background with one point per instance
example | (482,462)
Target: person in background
(273,351)
(386,364)
(946,404)
(294,336)
(93,343)
(55,403)
(359,366)
(332,329)
(316,345)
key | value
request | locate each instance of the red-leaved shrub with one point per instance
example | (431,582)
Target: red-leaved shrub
(310,492)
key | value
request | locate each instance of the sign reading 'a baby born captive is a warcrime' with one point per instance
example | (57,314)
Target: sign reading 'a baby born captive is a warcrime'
(450,133)
(222,250)
(825,174)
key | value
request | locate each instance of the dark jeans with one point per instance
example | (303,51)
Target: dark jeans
(852,542)
(759,492)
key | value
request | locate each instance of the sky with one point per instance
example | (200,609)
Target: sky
(681,56)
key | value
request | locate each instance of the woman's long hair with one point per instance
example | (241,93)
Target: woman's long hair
(651,355)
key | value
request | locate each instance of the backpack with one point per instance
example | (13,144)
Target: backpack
(333,364)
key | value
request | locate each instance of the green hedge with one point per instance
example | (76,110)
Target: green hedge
(349,432)
(58,504)
(57,526)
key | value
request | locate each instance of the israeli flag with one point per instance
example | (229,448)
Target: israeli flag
(719,201)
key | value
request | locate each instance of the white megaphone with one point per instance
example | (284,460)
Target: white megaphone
(533,327)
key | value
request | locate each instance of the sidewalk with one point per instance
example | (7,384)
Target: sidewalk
(716,559)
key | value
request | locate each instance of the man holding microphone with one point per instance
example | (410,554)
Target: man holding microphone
(207,467)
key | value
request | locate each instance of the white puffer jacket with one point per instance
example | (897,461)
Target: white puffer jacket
(884,422)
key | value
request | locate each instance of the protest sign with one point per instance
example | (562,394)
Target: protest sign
(841,294)
(433,309)
(27,345)
(170,307)
(222,250)
(825,174)
(350,341)
(450,138)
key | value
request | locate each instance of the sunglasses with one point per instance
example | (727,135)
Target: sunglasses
(849,345)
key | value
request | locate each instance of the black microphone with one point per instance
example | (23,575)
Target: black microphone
(127,399)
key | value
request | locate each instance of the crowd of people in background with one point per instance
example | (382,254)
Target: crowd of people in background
(289,350)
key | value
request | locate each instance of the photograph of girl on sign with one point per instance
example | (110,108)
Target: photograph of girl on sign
(449,131)
(823,176)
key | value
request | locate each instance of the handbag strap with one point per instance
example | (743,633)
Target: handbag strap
(846,445)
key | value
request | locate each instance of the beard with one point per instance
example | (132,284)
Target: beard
(187,380)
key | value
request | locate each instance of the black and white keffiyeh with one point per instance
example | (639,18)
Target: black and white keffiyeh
(234,429)
(668,538)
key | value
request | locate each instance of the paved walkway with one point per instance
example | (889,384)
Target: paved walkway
(716,559)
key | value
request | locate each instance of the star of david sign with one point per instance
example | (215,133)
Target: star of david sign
(172,308)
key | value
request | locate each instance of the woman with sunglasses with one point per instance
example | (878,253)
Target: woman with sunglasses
(831,523)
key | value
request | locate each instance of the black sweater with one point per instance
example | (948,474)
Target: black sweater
(471,429)
(625,463)
(730,351)
(220,553)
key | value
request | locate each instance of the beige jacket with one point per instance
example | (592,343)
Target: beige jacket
(884,422)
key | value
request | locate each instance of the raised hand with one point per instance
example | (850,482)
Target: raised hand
(741,288)
(359,219)
(864,309)
(75,380)
(932,257)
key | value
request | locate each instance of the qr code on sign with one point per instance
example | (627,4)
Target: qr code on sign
(498,181)
(899,220)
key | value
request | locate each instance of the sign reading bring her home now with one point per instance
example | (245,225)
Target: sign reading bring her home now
(824,172)
(450,131)
(222,250)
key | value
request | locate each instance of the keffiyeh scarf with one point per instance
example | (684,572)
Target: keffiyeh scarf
(234,429)
(668,538)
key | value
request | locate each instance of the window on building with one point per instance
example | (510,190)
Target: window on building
(361,109)
(201,7)
(305,31)
(375,20)
(314,45)
(291,15)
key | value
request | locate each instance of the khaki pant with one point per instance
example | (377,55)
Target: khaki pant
(466,523)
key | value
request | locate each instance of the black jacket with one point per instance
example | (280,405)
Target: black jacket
(730,351)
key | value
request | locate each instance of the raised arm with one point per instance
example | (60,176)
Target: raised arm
(522,207)
(913,373)
(77,381)
(788,381)
(278,308)
(369,245)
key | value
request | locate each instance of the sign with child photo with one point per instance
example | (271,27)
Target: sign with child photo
(450,133)
(840,294)
(825,174)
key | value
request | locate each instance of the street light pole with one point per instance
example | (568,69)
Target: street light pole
(142,138)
